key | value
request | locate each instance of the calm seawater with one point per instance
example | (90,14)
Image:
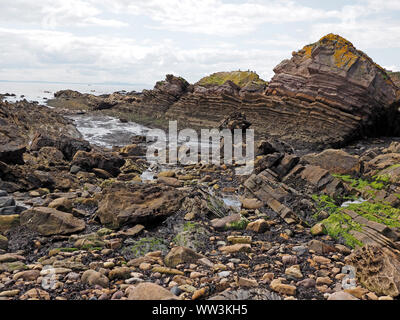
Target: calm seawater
(42,91)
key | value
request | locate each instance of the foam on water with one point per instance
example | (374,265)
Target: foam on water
(107,131)
(358,201)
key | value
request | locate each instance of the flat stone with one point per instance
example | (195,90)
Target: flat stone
(49,221)
(235,248)
(286,289)
(341,295)
(244,282)
(150,291)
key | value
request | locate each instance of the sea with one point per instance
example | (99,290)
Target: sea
(41,91)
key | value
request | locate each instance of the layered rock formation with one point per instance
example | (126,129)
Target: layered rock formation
(327,94)
(338,88)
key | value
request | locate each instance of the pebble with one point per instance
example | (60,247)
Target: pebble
(224,274)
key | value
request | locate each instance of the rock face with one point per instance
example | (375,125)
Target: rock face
(48,221)
(336,87)
(326,95)
(378,269)
(20,126)
(122,204)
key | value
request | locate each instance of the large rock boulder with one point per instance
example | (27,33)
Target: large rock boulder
(48,221)
(335,161)
(378,269)
(110,162)
(138,203)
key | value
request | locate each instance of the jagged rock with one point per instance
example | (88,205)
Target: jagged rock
(122,204)
(19,125)
(378,269)
(335,161)
(48,221)
(235,120)
(68,94)
(110,162)
(337,82)
(69,146)
(326,95)
(180,255)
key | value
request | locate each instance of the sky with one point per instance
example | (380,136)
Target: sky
(140,41)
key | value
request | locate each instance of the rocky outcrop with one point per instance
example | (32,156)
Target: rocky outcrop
(327,94)
(332,80)
(24,125)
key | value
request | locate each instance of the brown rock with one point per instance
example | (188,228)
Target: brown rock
(335,161)
(8,222)
(48,221)
(259,226)
(122,204)
(93,278)
(223,223)
(179,255)
(378,269)
(251,204)
(235,248)
(62,204)
(341,295)
(173,182)
(150,291)
(35,294)
(357,292)
(282,288)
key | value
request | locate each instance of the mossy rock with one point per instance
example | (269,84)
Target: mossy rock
(139,248)
(193,236)
(8,222)
(240,78)
(339,224)
(13,266)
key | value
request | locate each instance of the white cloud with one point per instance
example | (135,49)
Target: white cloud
(106,40)
(215,17)
(54,13)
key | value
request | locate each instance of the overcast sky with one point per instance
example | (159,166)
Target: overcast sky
(139,41)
